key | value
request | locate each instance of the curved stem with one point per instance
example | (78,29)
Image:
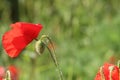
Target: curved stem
(52,54)
(41,44)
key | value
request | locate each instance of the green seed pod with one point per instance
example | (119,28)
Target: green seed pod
(39,47)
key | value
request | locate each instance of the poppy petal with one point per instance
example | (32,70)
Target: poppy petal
(107,72)
(98,76)
(15,40)
(29,30)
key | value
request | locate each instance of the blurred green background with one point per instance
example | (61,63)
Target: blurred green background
(86,34)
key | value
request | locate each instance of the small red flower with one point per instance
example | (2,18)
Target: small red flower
(13,73)
(108,72)
(21,34)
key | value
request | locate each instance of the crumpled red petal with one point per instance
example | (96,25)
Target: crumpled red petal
(106,71)
(22,33)
(115,72)
(98,76)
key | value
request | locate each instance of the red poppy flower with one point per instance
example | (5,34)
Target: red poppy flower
(21,34)
(108,72)
(14,72)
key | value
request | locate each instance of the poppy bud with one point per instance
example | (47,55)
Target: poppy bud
(39,47)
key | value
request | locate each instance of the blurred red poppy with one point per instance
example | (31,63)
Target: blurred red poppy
(2,72)
(21,34)
(108,72)
(13,73)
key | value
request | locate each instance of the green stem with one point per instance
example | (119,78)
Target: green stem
(118,63)
(32,72)
(40,46)
(8,75)
(52,54)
